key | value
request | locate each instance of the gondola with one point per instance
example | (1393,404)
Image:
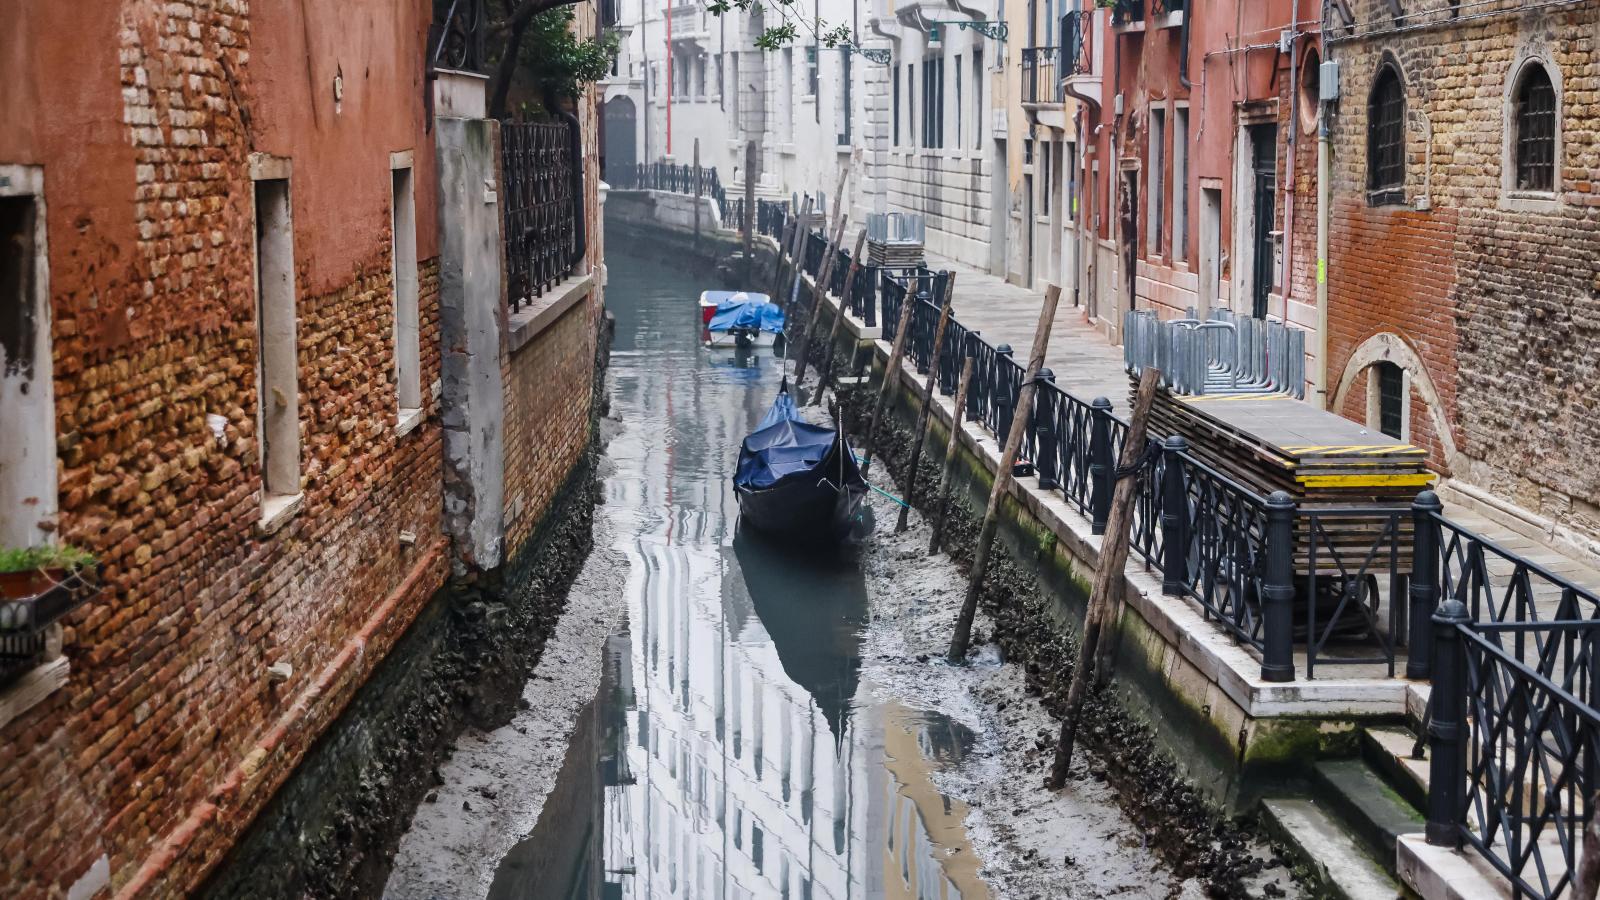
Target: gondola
(799,481)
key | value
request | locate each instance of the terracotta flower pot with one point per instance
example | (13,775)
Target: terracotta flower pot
(22,585)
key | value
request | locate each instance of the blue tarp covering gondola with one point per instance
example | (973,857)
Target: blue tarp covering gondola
(739,310)
(797,479)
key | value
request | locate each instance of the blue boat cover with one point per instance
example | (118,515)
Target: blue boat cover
(783,444)
(742,310)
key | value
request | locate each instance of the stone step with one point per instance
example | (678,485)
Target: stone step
(1369,808)
(1387,748)
(1327,851)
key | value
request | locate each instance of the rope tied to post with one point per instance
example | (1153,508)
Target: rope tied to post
(1147,459)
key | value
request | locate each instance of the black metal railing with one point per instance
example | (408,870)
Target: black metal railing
(25,621)
(674,177)
(1511,646)
(1039,81)
(1127,12)
(1077,35)
(455,36)
(771,216)
(1161,9)
(541,208)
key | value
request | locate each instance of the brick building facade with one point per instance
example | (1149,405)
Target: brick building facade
(220,333)
(1467,276)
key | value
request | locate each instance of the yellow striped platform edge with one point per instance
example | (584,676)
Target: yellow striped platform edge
(1419,479)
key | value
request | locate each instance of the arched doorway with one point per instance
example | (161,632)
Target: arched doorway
(621,153)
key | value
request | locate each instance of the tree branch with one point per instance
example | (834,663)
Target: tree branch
(505,70)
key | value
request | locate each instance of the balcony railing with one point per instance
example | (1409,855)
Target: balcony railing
(1161,9)
(455,37)
(1039,81)
(25,621)
(1127,12)
(1077,31)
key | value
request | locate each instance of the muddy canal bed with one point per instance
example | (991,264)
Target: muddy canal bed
(721,717)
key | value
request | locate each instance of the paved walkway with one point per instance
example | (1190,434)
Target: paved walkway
(1085,365)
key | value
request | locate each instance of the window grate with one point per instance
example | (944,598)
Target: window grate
(1536,131)
(1386,139)
(1391,399)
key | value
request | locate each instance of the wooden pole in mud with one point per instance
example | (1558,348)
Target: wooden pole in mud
(891,374)
(819,287)
(1109,577)
(838,318)
(788,255)
(1002,476)
(939,506)
(749,214)
(697,192)
(921,433)
(799,270)
(819,296)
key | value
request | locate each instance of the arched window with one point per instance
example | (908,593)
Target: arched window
(1386,138)
(1535,140)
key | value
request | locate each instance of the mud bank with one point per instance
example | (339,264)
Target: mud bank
(334,827)
(497,781)
(1161,811)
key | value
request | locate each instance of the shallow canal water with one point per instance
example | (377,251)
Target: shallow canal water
(733,750)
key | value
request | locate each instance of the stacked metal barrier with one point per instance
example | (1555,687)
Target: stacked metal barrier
(1223,354)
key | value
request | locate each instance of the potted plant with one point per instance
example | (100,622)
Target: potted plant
(29,571)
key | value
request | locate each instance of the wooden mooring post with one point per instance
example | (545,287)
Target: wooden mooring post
(749,213)
(799,262)
(920,435)
(789,255)
(826,372)
(819,288)
(696,177)
(1109,576)
(891,374)
(941,505)
(1002,476)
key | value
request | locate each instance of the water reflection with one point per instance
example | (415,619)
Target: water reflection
(732,752)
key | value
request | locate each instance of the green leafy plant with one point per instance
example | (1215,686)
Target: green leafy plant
(29,559)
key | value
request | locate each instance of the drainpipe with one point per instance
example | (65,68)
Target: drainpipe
(579,207)
(1183,46)
(1324,212)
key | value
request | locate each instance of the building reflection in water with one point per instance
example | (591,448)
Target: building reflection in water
(732,752)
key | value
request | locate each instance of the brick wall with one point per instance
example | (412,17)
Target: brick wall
(1496,294)
(169,736)
(549,385)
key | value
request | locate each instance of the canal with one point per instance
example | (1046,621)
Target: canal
(763,728)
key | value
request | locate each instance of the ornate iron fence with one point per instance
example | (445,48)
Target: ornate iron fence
(771,216)
(540,238)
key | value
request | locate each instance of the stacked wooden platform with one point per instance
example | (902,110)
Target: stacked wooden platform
(1327,463)
(1273,442)
(895,254)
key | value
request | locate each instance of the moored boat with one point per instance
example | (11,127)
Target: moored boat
(740,319)
(799,481)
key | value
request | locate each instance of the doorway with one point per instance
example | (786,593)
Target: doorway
(1264,167)
(1210,249)
(621,154)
